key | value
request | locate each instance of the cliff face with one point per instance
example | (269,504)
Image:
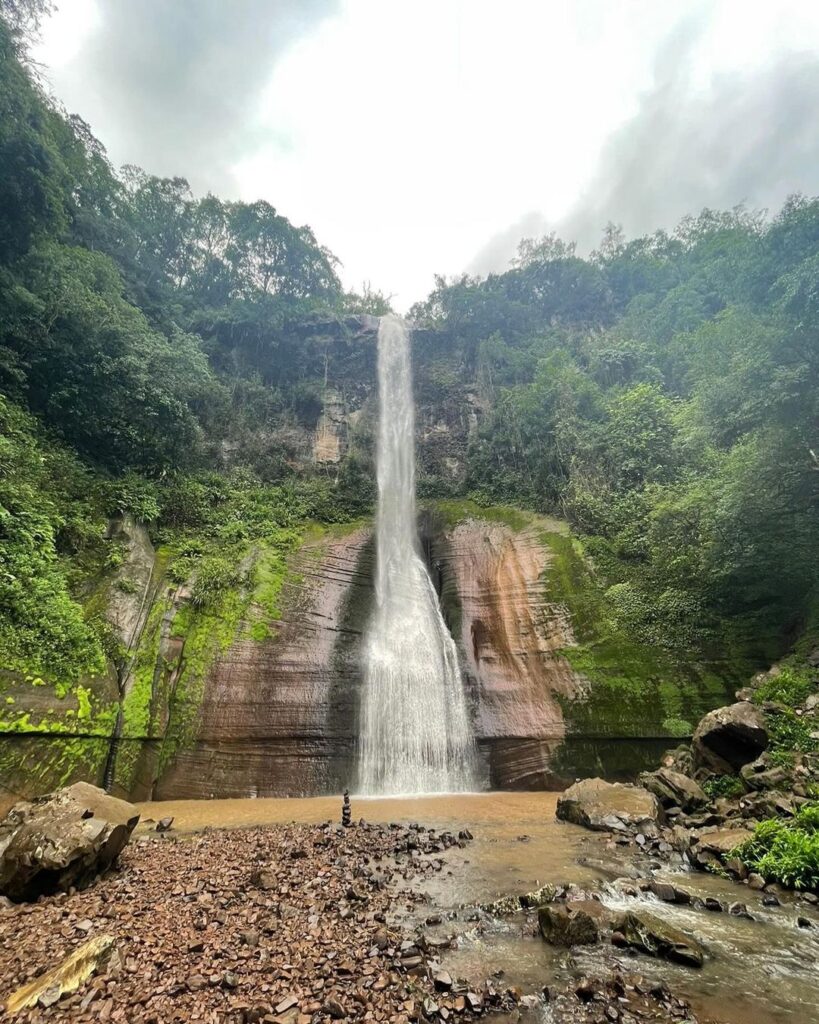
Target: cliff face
(259,697)
(277,717)
(214,707)
(510,637)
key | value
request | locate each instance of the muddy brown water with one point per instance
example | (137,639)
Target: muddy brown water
(761,971)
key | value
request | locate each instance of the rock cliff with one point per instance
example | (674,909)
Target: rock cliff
(258,696)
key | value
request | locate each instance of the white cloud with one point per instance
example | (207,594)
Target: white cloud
(409,132)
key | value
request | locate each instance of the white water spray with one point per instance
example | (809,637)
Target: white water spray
(415,733)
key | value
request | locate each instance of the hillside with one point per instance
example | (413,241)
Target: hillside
(187,403)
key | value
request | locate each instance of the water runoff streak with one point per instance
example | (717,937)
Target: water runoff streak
(415,733)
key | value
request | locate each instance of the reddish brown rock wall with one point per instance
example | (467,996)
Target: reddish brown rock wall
(509,636)
(278,716)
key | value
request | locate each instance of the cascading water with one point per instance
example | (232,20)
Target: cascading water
(415,733)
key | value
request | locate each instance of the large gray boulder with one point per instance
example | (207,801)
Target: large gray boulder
(62,840)
(730,737)
(672,788)
(609,806)
(710,847)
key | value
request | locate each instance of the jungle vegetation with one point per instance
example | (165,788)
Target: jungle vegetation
(661,393)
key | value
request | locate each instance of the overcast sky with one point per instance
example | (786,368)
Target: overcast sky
(428,136)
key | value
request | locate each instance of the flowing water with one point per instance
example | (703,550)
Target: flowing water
(760,971)
(415,733)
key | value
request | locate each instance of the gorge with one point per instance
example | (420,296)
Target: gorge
(247,697)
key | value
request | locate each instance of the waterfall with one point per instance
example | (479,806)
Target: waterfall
(415,735)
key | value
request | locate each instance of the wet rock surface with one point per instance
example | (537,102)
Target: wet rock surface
(277,716)
(609,806)
(292,924)
(62,840)
(649,934)
(510,640)
(570,924)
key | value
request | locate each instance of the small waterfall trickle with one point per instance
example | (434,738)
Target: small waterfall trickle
(415,734)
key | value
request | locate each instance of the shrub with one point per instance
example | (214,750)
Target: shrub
(788,732)
(676,726)
(214,576)
(136,496)
(724,785)
(791,687)
(786,851)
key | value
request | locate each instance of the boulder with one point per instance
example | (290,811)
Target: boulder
(672,788)
(62,840)
(730,737)
(712,846)
(760,774)
(609,806)
(651,935)
(679,759)
(572,924)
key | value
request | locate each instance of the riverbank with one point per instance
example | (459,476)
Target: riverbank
(284,924)
(221,924)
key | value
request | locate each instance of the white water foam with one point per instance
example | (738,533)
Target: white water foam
(415,734)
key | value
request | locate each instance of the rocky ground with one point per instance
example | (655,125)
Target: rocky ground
(707,798)
(289,924)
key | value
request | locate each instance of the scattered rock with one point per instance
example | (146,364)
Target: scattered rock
(62,840)
(164,824)
(609,806)
(571,924)
(712,845)
(759,774)
(334,1008)
(442,981)
(669,893)
(650,935)
(66,977)
(514,904)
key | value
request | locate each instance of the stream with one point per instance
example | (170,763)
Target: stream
(760,971)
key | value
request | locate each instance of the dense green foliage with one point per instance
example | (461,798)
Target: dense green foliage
(663,395)
(140,329)
(786,851)
(44,511)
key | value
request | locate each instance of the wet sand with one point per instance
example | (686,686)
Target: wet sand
(531,809)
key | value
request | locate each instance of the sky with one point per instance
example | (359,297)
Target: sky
(423,137)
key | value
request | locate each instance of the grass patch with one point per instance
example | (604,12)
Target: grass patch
(791,687)
(457,510)
(723,785)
